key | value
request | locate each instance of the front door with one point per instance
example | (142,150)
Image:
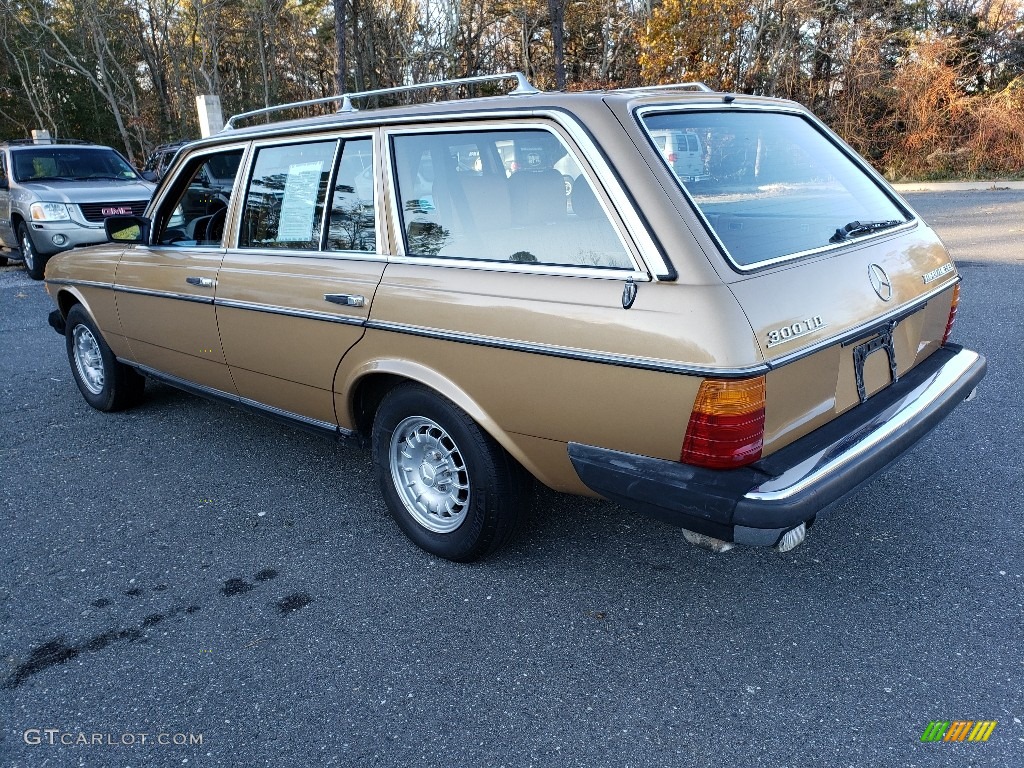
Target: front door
(165,291)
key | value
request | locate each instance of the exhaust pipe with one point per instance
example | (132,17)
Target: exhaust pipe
(707,542)
(792,538)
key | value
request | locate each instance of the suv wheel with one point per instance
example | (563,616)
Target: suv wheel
(450,487)
(35,264)
(106,384)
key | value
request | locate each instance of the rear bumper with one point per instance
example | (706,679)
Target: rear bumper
(756,505)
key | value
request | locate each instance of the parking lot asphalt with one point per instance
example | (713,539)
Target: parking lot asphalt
(191,574)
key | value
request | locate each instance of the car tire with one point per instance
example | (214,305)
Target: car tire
(3,261)
(106,384)
(450,487)
(35,264)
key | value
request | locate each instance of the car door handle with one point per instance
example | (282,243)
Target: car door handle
(202,282)
(345,299)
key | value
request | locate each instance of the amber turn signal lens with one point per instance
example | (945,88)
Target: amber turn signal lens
(726,428)
(952,313)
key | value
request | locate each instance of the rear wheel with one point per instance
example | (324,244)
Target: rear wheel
(106,384)
(450,487)
(35,264)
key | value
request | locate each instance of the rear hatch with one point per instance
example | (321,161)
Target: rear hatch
(845,288)
(832,338)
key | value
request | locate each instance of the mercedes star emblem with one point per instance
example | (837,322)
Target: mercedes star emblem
(880,282)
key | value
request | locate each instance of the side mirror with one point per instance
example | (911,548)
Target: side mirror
(127,229)
(3,183)
(150,176)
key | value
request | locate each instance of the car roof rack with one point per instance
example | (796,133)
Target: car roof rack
(46,140)
(523,88)
(694,85)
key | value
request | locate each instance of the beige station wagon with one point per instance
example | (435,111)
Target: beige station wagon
(728,352)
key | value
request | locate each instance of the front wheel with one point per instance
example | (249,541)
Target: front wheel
(450,487)
(35,264)
(106,384)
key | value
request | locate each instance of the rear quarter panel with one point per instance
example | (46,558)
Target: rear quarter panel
(535,401)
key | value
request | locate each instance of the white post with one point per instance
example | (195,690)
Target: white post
(210,118)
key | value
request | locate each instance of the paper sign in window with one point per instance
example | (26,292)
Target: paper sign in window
(298,206)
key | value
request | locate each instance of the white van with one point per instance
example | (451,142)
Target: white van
(684,152)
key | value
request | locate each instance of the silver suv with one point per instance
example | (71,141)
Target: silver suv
(55,195)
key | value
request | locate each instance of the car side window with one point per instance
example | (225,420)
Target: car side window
(3,170)
(352,225)
(284,203)
(196,217)
(500,196)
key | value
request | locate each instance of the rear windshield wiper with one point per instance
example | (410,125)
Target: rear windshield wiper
(855,228)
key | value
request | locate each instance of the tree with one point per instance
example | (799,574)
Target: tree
(694,40)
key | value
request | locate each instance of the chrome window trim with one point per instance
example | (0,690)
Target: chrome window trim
(636,241)
(559,270)
(378,225)
(219,394)
(639,236)
(339,137)
(259,144)
(649,251)
(183,157)
(376,120)
(178,248)
(274,309)
(866,327)
(570,353)
(294,254)
(862,165)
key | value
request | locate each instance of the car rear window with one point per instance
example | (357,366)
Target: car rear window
(772,186)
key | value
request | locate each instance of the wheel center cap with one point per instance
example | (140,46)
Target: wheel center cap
(427,474)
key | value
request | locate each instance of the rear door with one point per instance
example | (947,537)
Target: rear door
(296,286)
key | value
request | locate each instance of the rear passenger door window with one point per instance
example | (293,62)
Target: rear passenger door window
(500,196)
(284,203)
(353,225)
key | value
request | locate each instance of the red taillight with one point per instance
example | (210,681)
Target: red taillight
(952,313)
(672,157)
(726,428)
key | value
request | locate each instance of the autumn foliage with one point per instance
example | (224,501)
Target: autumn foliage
(923,88)
(938,129)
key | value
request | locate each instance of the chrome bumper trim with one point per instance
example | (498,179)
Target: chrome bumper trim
(820,467)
